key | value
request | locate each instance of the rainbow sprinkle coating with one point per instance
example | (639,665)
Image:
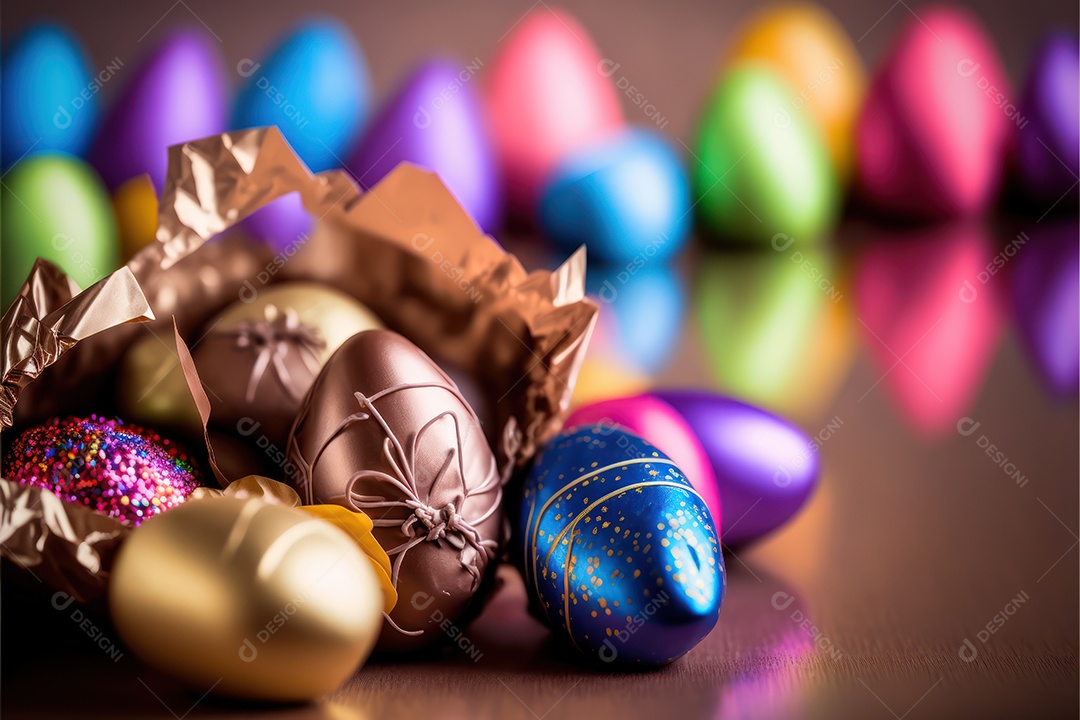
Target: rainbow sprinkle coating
(124,471)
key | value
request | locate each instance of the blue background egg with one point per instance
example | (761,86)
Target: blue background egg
(177,94)
(48,102)
(619,552)
(624,197)
(314,86)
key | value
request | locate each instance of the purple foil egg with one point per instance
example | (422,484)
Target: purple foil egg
(178,94)
(1045,288)
(434,120)
(766,468)
(1048,146)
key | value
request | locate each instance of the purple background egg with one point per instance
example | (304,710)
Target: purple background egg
(1048,146)
(177,94)
(766,468)
(283,223)
(435,120)
(1045,292)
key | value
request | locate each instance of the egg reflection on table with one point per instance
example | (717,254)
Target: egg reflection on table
(929,301)
(640,322)
(776,327)
(1045,286)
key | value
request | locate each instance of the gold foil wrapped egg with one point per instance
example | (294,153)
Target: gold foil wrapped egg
(260,356)
(246,598)
(152,388)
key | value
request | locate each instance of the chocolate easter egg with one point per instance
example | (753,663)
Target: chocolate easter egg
(176,95)
(927,297)
(808,47)
(385,431)
(932,136)
(654,420)
(761,167)
(246,598)
(619,553)
(55,207)
(1045,286)
(435,120)
(776,327)
(766,468)
(626,198)
(48,98)
(314,86)
(1048,128)
(123,471)
(260,356)
(547,94)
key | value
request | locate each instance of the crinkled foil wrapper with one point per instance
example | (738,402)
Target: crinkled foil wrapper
(405,248)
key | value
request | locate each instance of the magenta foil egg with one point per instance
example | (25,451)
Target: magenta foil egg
(123,471)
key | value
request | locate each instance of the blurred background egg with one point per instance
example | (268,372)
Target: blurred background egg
(546,95)
(932,136)
(1048,142)
(314,85)
(136,205)
(435,120)
(55,207)
(626,198)
(283,223)
(761,166)
(48,97)
(808,47)
(177,93)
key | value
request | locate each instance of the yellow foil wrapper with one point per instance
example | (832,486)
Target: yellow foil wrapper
(358,526)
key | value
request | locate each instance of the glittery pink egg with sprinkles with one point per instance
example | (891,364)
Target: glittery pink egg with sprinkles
(124,471)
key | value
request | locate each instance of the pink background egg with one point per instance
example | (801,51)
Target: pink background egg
(547,94)
(934,131)
(656,421)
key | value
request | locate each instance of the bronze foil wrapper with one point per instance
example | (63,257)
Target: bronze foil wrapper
(405,248)
(386,432)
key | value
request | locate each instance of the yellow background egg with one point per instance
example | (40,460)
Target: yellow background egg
(811,51)
(136,206)
(246,598)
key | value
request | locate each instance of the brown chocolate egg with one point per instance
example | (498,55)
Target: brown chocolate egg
(247,598)
(385,431)
(260,356)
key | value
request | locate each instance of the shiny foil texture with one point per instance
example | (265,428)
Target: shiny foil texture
(618,551)
(386,432)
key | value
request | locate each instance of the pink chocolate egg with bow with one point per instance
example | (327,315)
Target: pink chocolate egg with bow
(935,128)
(656,421)
(549,92)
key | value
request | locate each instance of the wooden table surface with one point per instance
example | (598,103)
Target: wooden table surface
(858,608)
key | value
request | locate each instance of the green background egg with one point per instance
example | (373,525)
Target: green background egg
(761,168)
(56,207)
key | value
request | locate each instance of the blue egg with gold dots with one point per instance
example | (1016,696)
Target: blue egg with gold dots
(618,551)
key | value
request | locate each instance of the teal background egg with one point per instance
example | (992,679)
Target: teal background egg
(56,207)
(47,98)
(618,552)
(314,86)
(625,197)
